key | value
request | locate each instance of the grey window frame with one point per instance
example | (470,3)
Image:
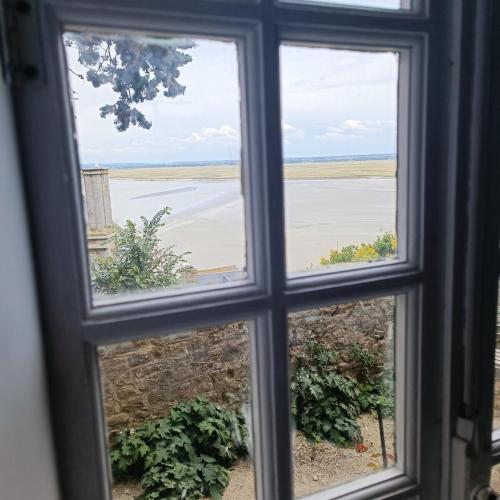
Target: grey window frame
(474,444)
(423,278)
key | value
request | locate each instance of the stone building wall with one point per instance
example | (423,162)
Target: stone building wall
(143,379)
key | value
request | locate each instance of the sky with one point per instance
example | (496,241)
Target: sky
(334,102)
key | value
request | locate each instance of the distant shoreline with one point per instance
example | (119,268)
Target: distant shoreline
(232,163)
(356,169)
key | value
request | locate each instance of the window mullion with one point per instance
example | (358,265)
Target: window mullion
(274,464)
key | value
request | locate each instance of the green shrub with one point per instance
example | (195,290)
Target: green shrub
(383,247)
(385,244)
(184,455)
(370,362)
(342,256)
(324,402)
(375,381)
(138,261)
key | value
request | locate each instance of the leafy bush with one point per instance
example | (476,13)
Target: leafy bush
(375,381)
(370,362)
(184,455)
(138,262)
(342,256)
(384,246)
(324,402)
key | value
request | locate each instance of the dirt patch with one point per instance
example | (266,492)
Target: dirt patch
(495,478)
(316,466)
(496,402)
(319,466)
(126,491)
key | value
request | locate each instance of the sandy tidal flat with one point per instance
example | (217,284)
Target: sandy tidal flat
(332,170)
(208,220)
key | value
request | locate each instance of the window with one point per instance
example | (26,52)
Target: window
(169,172)
(182,402)
(352,195)
(305,152)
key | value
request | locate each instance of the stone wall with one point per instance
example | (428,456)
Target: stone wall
(143,379)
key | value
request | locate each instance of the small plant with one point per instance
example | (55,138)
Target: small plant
(369,362)
(342,256)
(138,261)
(184,455)
(383,247)
(375,382)
(324,401)
(385,244)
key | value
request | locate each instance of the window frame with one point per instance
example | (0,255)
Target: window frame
(472,397)
(73,328)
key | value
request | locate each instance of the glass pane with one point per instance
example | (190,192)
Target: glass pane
(378,4)
(339,132)
(158,126)
(342,391)
(178,415)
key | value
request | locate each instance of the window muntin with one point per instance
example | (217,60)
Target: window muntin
(339,133)
(175,156)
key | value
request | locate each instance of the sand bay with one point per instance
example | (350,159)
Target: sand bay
(327,170)
(326,206)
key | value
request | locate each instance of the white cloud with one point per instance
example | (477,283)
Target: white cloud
(287,127)
(354,125)
(355,129)
(224,133)
(291,132)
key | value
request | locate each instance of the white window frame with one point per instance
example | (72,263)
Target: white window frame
(421,278)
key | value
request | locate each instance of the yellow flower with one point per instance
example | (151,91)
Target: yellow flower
(365,253)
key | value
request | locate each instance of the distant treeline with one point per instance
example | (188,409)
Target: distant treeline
(288,161)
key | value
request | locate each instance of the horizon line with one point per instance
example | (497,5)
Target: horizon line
(235,161)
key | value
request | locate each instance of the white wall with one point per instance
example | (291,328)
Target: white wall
(27,469)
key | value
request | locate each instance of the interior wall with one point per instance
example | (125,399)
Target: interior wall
(27,463)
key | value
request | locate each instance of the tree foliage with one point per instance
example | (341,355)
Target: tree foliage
(138,261)
(136,70)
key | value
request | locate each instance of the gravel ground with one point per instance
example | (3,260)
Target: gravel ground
(317,466)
